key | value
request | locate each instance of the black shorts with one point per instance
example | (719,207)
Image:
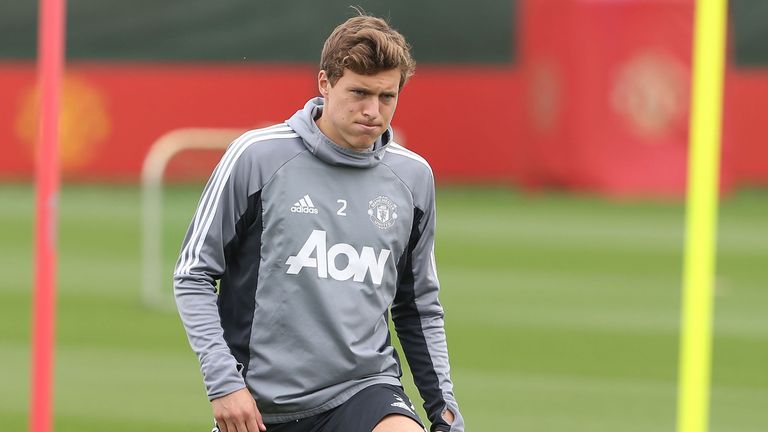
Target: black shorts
(362,412)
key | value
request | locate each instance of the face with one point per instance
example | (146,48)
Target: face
(358,108)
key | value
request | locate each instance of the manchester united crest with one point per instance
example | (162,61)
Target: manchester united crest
(383,212)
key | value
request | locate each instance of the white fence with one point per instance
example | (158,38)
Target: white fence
(156,283)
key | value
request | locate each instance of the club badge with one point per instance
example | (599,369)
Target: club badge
(382,212)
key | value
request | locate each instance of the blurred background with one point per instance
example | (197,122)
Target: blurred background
(557,131)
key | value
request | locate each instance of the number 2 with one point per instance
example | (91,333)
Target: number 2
(343,207)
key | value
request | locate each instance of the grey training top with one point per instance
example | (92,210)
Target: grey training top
(313,244)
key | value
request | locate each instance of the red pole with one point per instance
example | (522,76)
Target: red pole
(49,71)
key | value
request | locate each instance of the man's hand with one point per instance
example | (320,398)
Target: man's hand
(448,416)
(237,412)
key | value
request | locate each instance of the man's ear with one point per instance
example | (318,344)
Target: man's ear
(323,83)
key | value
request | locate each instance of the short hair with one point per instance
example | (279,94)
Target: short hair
(366,45)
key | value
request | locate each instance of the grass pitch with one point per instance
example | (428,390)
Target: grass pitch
(562,313)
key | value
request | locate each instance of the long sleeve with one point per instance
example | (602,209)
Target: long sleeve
(229,205)
(202,262)
(418,319)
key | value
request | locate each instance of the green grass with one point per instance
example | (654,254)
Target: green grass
(562,313)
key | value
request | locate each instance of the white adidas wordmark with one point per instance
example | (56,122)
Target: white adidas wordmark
(304,205)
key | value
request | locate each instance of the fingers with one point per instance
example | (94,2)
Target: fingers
(237,412)
(249,424)
(240,425)
(244,422)
(237,426)
(258,420)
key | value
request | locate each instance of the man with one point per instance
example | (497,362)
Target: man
(315,229)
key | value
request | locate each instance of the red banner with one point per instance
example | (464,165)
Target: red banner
(608,98)
(473,124)
(609,94)
(746,111)
(464,120)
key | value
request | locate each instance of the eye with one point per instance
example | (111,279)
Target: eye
(358,92)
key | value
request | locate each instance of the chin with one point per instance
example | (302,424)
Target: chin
(362,146)
(361,143)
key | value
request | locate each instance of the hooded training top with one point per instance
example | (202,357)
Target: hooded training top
(312,244)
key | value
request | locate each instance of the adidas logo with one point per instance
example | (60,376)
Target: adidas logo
(400,403)
(304,205)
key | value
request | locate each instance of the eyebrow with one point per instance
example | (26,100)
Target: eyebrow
(368,91)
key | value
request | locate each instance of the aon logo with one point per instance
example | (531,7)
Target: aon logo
(358,265)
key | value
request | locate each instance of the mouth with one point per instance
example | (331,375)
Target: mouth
(369,127)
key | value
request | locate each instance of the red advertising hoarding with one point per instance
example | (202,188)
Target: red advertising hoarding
(609,94)
(464,120)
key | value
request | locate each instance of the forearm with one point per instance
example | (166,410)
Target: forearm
(424,345)
(196,302)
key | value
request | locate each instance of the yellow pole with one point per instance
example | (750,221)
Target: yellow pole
(701,216)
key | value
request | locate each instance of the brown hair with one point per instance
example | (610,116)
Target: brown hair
(366,45)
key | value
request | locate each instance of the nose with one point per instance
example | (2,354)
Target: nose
(371,107)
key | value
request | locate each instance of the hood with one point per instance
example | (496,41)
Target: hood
(303,123)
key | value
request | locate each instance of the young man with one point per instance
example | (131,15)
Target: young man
(316,228)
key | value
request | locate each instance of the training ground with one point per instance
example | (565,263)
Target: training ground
(562,313)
